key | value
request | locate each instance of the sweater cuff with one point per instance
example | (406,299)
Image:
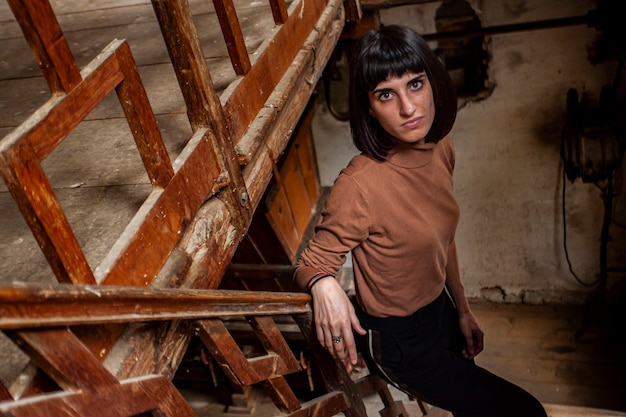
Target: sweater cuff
(303,275)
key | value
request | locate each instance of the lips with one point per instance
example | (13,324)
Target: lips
(413,123)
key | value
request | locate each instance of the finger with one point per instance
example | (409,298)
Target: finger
(480,342)
(356,323)
(325,338)
(469,343)
(350,348)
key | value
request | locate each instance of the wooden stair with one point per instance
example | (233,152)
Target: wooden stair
(113,335)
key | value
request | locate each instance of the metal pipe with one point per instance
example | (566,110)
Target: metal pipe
(516,27)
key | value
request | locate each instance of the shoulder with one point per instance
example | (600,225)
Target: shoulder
(358,164)
(353,182)
(446,149)
(362,169)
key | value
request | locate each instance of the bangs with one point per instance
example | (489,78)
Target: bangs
(388,59)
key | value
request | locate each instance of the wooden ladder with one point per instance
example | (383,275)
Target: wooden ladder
(37,318)
(112,337)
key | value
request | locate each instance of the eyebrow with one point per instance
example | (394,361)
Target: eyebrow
(418,77)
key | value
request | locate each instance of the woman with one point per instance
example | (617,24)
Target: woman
(393,207)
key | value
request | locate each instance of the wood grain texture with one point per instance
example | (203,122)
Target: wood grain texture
(48,44)
(251,93)
(31,306)
(188,228)
(126,399)
(231,29)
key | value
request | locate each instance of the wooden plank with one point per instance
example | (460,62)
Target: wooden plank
(225,350)
(33,306)
(36,200)
(156,228)
(281,394)
(64,358)
(22,150)
(293,181)
(555,372)
(130,398)
(308,162)
(273,341)
(325,405)
(355,30)
(204,107)
(143,124)
(169,401)
(52,53)
(556,410)
(249,95)
(354,11)
(243,371)
(282,219)
(279,11)
(333,371)
(5,395)
(274,125)
(64,113)
(384,4)
(207,245)
(231,29)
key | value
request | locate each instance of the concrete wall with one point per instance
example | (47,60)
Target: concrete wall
(508,176)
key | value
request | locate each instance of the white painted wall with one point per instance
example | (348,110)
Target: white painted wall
(508,176)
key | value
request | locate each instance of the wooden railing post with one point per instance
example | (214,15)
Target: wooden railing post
(204,108)
(48,44)
(333,371)
(231,29)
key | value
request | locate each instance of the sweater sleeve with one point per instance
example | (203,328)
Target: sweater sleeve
(344,225)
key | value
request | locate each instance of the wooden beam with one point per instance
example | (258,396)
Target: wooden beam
(279,11)
(204,107)
(35,198)
(5,395)
(28,306)
(354,11)
(156,228)
(281,394)
(329,404)
(141,120)
(64,358)
(207,245)
(273,341)
(355,30)
(333,371)
(129,398)
(386,4)
(248,96)
(231,29)
(52,53)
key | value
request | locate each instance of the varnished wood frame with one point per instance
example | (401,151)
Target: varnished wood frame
(260,129)
(167,209)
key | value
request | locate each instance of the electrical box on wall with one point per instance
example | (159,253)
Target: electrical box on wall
(591,146)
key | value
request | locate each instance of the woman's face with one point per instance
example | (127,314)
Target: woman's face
(404,107)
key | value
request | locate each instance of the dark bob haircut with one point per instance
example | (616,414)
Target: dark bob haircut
(393,51)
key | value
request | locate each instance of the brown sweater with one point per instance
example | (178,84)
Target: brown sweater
(398,217)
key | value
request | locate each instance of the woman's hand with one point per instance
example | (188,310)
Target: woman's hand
(335,319)
(473,335)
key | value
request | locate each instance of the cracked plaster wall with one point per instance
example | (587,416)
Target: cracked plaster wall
(508,176)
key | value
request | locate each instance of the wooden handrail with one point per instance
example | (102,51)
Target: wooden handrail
(34,306)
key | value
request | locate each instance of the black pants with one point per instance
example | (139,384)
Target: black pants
(420,355)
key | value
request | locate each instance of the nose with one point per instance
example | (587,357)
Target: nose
(407,108)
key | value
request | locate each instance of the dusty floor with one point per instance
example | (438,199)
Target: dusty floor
(547,350)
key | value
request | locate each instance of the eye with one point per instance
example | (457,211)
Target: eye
(384,96)
(416,83)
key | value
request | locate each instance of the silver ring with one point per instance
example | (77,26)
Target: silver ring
(337,339)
